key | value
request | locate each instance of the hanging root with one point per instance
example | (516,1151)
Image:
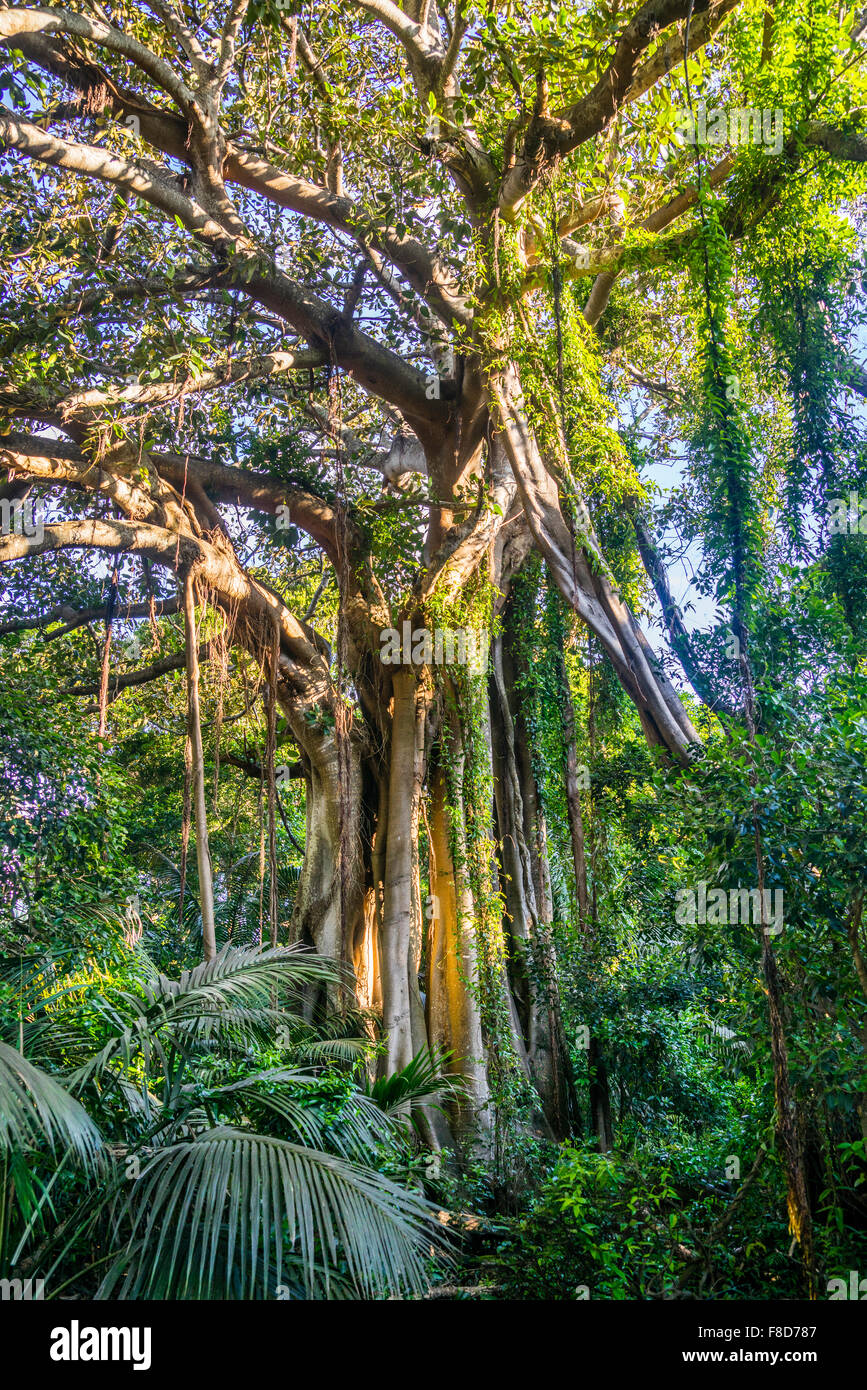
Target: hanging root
(110,607)
(152,604)
(220,669)
(270,772)
(196,764)
(185,822)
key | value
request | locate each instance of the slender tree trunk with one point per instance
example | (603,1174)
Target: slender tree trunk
(600,1097)
(789,1118)
(203,853)
(789,1121)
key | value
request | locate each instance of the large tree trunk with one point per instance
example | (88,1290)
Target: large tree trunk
(453,1010)
(329,912)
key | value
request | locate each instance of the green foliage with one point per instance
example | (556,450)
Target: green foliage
(423,1082)
(641,1226)
(215,1179)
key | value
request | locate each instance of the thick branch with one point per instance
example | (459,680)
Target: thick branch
(655,222)
(83,404)
(185,37)
(608,262)
(376,368)
(95,163)
(228,42)
(73,618)
(701,30)
(168,133)
(133,537)
(422,45)
(550,136)
(58,461)
(433,284)
(675,627)
(143,675)
(16,22)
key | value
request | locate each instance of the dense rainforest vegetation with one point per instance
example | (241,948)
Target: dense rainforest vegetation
(433,650)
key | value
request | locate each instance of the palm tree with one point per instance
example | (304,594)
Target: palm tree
(215,1179)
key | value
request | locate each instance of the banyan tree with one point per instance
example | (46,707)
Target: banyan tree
(396,286)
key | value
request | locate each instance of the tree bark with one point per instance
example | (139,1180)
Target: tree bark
(600,1097)
(398,993)
(334,923)
(453,1012)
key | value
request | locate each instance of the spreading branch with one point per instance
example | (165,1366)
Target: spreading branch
(551,136)
(73,618)
(143,676)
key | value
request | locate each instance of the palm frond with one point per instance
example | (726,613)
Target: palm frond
(210,1217)
(423,1081)
(246,973)
(358,1129)
(331,1049)
(230,999)
(35,1110)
